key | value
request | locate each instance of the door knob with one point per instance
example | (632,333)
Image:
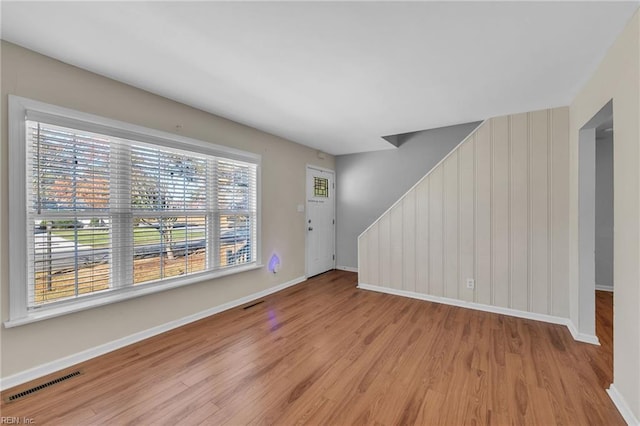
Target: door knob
(310,229)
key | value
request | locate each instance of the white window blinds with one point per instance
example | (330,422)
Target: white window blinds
(106,213)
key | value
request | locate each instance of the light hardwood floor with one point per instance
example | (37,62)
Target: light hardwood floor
(324,352)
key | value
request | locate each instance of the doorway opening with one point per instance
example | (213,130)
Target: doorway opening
(596,201)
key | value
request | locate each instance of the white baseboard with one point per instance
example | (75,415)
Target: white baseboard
(581,337)
(68,361)
(605,287)
(347,268)
(622,406)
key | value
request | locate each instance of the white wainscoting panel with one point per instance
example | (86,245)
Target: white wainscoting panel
(494,210)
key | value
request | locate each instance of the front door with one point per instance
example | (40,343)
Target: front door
(320,220)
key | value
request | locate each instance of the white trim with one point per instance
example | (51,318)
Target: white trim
(487,308)
(21,109)
(320,169)
(18,272)
(67,117)
(581,337)
(347,268)
(125,293)
(68,361)
(605,287)
(622,406)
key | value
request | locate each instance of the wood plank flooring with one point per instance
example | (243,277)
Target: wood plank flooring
(324,352)
(601,359)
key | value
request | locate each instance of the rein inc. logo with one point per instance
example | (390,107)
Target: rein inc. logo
(5,420)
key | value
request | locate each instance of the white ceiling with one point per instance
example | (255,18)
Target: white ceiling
(333,76)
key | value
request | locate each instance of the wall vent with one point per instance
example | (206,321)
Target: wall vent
(253,304)
(34,389)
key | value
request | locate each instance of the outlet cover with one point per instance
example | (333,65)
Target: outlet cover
(471,284)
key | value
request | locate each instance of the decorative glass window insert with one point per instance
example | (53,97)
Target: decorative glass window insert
(320,187)
(108,211)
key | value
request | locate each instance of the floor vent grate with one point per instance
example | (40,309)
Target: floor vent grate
(253,304)
(42,386)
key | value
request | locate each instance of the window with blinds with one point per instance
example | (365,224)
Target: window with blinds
(106,213)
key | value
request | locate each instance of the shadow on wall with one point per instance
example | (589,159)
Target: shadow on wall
(369,183)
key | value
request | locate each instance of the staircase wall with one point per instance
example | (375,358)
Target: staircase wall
(495,210)
(369,182)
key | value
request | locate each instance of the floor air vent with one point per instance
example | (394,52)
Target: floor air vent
(34,389)
(253,304)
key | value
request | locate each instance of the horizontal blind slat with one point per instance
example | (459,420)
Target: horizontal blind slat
(162,191)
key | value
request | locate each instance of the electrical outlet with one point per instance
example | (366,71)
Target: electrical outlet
(471,284)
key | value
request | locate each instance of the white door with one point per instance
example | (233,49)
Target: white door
(320,223)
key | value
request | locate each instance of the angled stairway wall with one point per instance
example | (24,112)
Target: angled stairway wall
(495,210)
(369,182)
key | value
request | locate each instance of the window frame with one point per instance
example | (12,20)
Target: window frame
(21,109)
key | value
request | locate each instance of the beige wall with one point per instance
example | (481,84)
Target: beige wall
(617,78)
(495,210)
(34,76)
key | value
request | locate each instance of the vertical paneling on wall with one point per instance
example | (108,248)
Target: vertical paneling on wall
(422,236)
(494,210)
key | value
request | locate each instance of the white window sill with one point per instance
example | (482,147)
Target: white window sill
(93,301)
